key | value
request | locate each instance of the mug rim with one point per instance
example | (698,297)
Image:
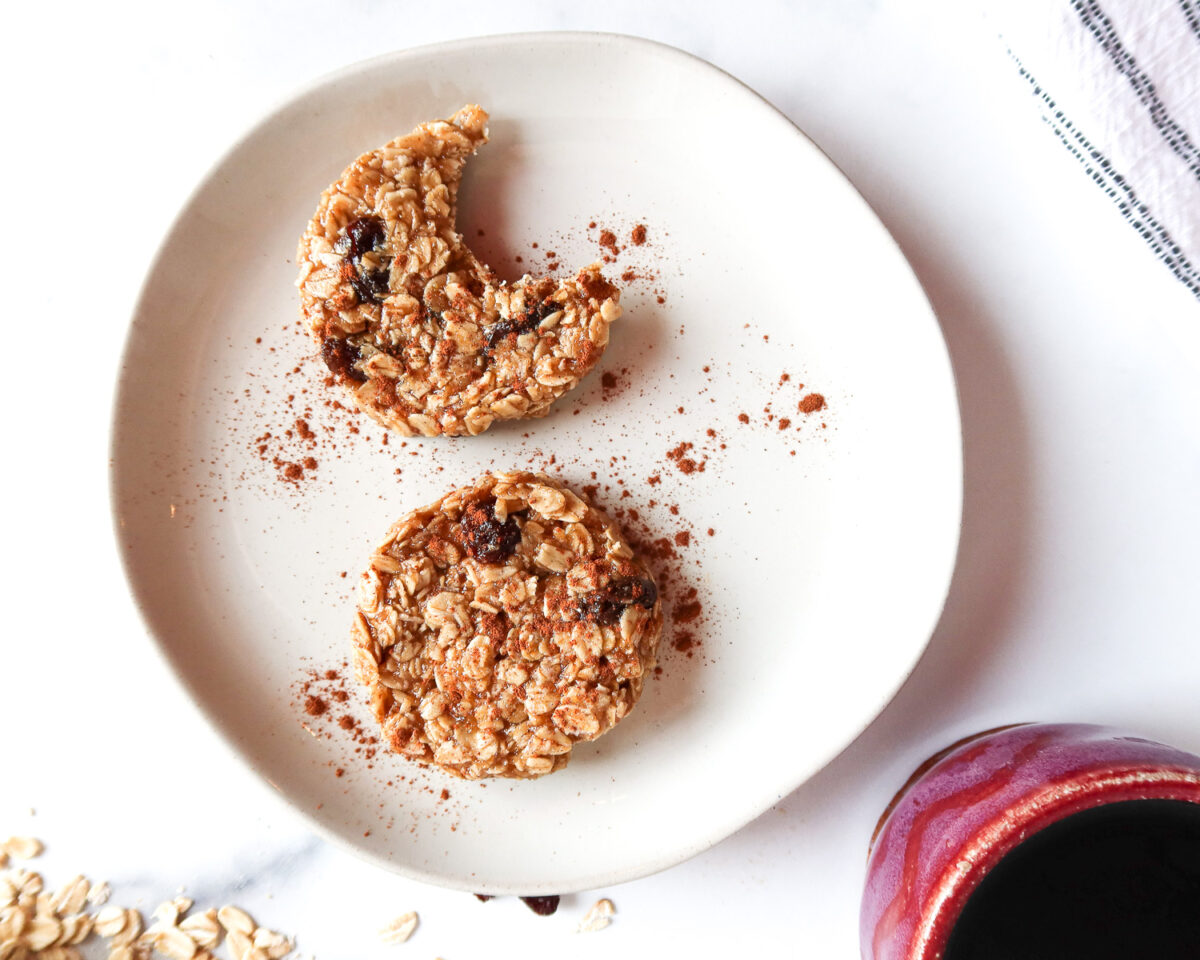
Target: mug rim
(1031,815)
(1098,783)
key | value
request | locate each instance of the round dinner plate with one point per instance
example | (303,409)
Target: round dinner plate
(775,420)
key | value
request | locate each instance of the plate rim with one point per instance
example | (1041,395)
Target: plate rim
(228,738)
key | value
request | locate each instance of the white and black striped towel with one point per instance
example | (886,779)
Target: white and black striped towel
(1118,81)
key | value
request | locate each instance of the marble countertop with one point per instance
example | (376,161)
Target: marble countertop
(1076,354)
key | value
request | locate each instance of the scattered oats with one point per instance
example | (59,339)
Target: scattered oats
(44,926)
(203,928)
(70,897)
(76,928)
(173,943)
(42,932)
(77,900)
(41,904)
(274,945)
(28,884)
(131,931)
(235,920)
(167,913)
(22,848)
(12,922)
(239,943)
(59,953)
(399,929)
(110,921)
(598,917)
(3,858)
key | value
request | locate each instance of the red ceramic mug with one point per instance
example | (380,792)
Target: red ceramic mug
(973,803)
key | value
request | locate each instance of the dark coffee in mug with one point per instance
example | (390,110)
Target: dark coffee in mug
(1117,881)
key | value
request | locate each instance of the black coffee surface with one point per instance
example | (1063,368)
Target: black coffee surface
(1118,881)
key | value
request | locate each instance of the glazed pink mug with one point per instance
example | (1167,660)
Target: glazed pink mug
(969,806)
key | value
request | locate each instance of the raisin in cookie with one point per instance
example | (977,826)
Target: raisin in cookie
(501,625)
(422,335)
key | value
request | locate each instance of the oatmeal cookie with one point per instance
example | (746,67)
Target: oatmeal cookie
(501,625)
(421,334)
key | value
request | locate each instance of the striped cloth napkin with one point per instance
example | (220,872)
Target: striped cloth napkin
(1118,82)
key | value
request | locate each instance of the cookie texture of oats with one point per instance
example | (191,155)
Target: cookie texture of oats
(422,335)
(501,625)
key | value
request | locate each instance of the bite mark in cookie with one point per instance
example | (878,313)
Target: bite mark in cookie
(422,335)
(503,624)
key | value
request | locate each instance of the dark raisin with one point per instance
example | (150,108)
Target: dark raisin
(606,606)
(483,897)
(515,326)
(372,286)
(485,537)
(634,590)
(339,356)
(361,235)
(598,608)
(542,906)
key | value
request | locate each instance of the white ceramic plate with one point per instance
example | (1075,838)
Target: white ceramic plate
(832,547)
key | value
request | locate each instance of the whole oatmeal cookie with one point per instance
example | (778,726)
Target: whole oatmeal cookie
(501,625)
(421,334)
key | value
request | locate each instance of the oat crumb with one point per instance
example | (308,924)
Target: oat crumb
(400,929)
(598,917)
(22,848)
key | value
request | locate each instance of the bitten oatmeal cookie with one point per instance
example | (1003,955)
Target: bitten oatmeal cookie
(422,335)
(501,625)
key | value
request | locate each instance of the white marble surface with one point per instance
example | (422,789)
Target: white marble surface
(1076,354)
